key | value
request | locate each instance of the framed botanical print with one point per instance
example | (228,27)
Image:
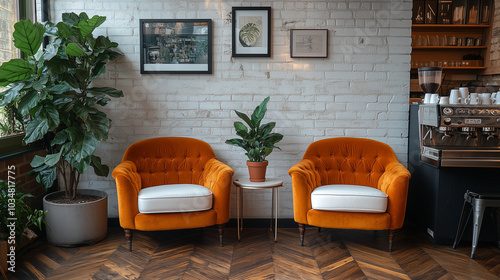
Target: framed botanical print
(176,46)
(309,43)
(251,32)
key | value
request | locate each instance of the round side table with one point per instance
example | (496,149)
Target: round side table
(245,183)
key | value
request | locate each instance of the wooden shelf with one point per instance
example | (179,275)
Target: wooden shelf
(450,25)
(458,68)
(449,47)
(439,32)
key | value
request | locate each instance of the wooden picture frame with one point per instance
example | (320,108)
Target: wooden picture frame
(312,43)
(176,46)
(251,32)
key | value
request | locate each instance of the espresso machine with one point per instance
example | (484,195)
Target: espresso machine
(451,149)
(460,135)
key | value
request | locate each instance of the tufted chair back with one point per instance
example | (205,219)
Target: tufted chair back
(169,160)
(354,161)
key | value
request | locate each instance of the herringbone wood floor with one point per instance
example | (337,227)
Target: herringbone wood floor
(195,254)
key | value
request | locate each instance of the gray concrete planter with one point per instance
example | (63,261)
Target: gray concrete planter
(70,225)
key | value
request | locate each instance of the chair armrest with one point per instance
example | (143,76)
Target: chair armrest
(394,182)
(217,177)
(305,179)
(128,185)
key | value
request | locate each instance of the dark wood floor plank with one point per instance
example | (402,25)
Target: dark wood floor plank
(252,257)
(333,258)
(419,265)
(376,264)
(209,260)
(454,262)
(292,261)
(87,260)
(169,261)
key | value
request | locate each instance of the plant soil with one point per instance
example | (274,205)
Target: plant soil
(80,198)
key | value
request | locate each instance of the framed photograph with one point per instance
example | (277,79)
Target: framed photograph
(309,43)
(176,46)
(251,32)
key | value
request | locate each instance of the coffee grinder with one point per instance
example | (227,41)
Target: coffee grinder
(429,79)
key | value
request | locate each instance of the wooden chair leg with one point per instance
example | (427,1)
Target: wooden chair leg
(128,236)
(221,234)
(391,237)
(302,231)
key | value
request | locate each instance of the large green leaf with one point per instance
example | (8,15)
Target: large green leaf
(40,83)
(57,65)
(70,18)
(61,137)
(28,37)
(239,143)
(15,70)
(259,112)
(59,88)
(87,27)
(98,123)
(267,128)
(51,49)
(10,94)
(47,177)
(73,49)
(83,16)
(37,161)
(241,129)
(99,69)
(28,101)
(84,147)
(272,139)
(245,118)
(50,113)
(64,30)
(52,159)
(99,91)
(102,43)
(99,169)
(82,164)
(36,129)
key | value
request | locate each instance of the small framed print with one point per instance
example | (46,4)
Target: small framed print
(251,32)
(309,43)
(176,46)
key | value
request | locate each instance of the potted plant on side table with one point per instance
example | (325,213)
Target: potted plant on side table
(53,86)
(257,140)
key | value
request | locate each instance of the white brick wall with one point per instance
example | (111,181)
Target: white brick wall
(360,90)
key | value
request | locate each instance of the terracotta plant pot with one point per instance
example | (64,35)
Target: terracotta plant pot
(257,171)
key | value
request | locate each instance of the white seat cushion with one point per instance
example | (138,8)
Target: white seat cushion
(349,198)
(174,198)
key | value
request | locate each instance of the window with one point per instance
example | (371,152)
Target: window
(10,13)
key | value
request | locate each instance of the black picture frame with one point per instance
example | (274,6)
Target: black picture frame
(251,32)
(176,46)
(310,43)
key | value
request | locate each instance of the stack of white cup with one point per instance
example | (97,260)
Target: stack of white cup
(462,96)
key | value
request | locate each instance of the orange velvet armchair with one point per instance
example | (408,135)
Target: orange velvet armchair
(350,161)
(167,161)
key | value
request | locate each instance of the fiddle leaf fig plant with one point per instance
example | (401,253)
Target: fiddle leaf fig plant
(257,140)
(53,86)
